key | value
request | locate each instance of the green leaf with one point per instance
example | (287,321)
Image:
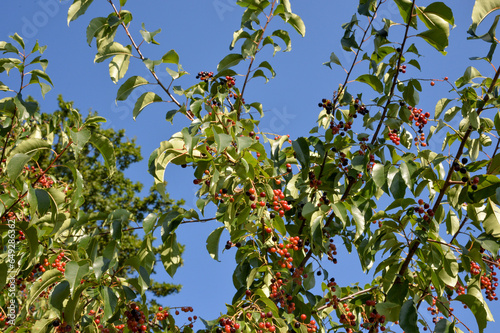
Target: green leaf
(105,147)
(379,176)
(410,94)
(440,106)
(16,166)
(437,38)
(243,142)
(372,81)
(144,100)
(482,8)
(111,50)
(149,36)
(222,141)
(486,187)
(80,138)
(30,146)
(469,74)
(95,25)
(43,199)
(60,292)
(444,326)
(18,39)
(118,67)
(110,302)
(283,34)
(171,57)
(237,35)
(301,148)
(213,243)
(491,222)
(477,306)
(389,310)
(3,87)
(295,21)
(72,303)
(333,60)
(408,317)
(100,266)
(171,254)
(75,271)
(359,219)
(230,60)
(77,9)
(128,86)
(149,222)
(46,280)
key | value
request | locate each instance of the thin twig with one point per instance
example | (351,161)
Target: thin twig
(143,58)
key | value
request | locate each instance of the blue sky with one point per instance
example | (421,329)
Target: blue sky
(200,32)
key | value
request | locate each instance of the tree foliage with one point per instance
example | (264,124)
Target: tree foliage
(425,222)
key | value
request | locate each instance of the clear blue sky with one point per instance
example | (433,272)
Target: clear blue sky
(200,32)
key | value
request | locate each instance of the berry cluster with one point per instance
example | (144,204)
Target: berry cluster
(374,320)
(279,296)
(460,289)
(162,314)
(228,325)
(402,69)
(361,109)
(61,327)
(58,263)
(283,250)
(463,170)
(44,181)
(310,326)
(347,317)
(204,76)
(340,127)
(424,208)
(266,323)
(489,282)
(327,105)
(136,321)
(394,136)
(230,244)
(229,81)
(420,119)
(279,204)
(332,251)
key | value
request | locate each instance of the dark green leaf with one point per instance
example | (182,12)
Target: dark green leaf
(230,60)
(408,317)
(128,86)
(144,100)
(16,165)
(372,81)
(213,243)
(78,8)
(105,147)
(75,271)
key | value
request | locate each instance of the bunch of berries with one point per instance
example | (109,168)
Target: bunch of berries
(204,76)
(327,105)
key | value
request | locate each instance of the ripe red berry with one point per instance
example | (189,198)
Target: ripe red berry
(432,83)
(303,317)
